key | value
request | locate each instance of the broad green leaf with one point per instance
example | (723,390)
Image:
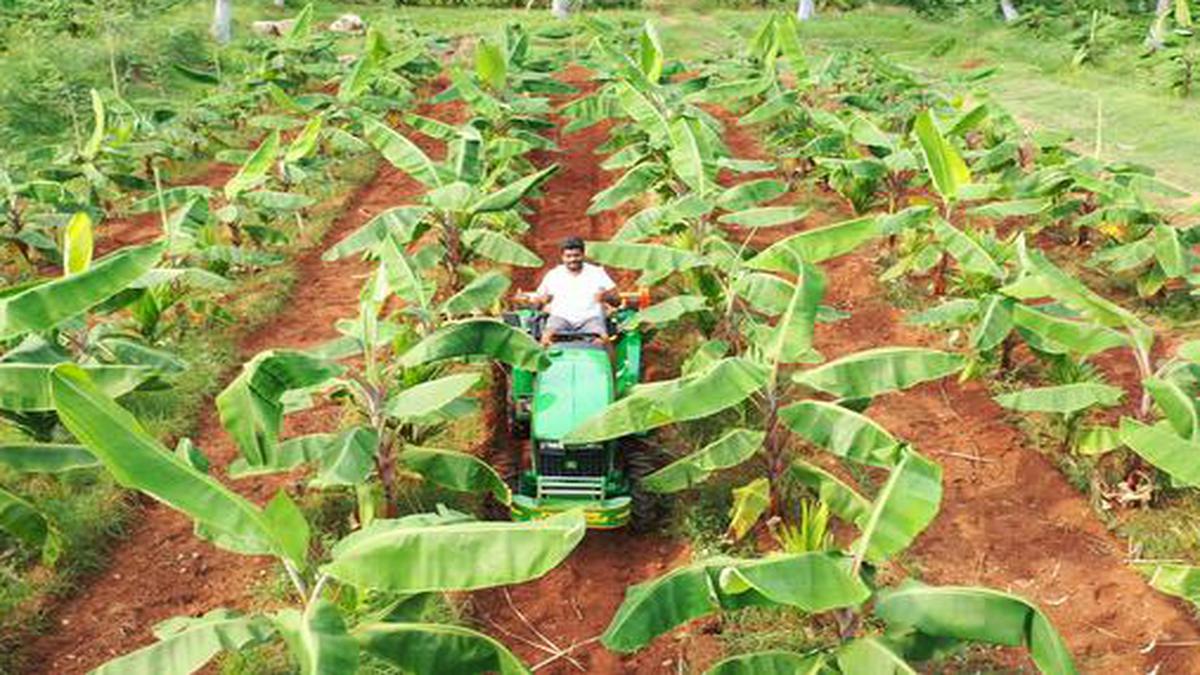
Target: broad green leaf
(318,638)
(400,152)
(403,276)
(750,501)
(816,245)
(995,323)
(23,521)
(491,65)
(735,447)
(46,457)
(645,257)
(480,295)
(842,431)
(45,305)
(1097,440)
(400,557)
(978,615)
(764,292)
(401,223)
(1065,336)
(305,142)
(950,312)
(632,184)
(499,248)
(788,35)
(290,527)
(25,387)
(722,385)
(1166,451)
(1064,399)
(269,200)
(186,644)
(1169,251)
(867,374)
(251,406)
(813,582)
(345,459)
(456,471)
(511,194)
(1181,581)
(77,244)
(646,114)
(137,461)
(650,52)
(688,158)
(791,339)
(971,257)
(904,507)
(766,216)
(671,309)
(478,337)
(1049,280)
(946,167)
(437,648)
(254,170)
(1176,405)
(768,663)
(871,656)
(841,499)
(747,195)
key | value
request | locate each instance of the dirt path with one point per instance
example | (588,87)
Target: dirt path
(1009,519)
(575,602)
(161,569)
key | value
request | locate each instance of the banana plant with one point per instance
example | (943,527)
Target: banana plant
(335,622)
(471,213)
(43,324)
(401,395)
(761,380)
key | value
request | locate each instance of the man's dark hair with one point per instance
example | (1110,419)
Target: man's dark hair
(572,244)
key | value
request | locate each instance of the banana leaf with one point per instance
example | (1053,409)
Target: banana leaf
(735,447)
(644,257)
(869,373)
(24,522)
(971,257)
(768,663)
(765,216)
(254,170)
(812,582)
(979,615)
(499,248)
(816,245)
(1176,405)
(480,295)
(478,337)
(25,387)
(947,169)
(1063,399)
(632,184)
(437,648)
(46,457)
(871,655)
(186,644)
(456,471)
(401,222)
(400,152)
(403,556)
(842,431)
(507,197)
(722,385)
(904,507)
(318,638)
(841,499)
(43,306)
(1164,449)
(750,501)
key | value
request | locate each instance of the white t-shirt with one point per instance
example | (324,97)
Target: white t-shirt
(573,294)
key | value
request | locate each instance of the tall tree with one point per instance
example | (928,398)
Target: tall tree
(806,9)
(222,25)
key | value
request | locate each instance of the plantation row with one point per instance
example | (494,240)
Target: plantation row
(958,194)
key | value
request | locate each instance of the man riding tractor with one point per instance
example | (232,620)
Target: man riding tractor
(594,360)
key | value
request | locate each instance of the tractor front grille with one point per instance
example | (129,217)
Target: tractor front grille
(585,460)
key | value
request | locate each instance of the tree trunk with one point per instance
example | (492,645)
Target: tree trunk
(806,10)
(1155,38)
(561,9)
(222,29)
(1009,11)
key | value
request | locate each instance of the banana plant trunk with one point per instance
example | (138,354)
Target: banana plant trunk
(806,10)
(1009,11)
(561,9)
(222,25)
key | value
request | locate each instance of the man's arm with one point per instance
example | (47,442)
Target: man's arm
(608,290)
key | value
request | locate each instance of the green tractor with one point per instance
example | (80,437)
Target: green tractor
(603,478)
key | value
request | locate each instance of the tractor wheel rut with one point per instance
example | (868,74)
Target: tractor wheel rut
(1009,519)
(571,606)
(160,569)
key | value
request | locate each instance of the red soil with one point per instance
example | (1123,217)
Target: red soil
(1009,519)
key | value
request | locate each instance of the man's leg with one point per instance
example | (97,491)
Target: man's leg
(554,324)
(598,326)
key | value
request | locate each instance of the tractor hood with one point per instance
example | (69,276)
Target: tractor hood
(577,385)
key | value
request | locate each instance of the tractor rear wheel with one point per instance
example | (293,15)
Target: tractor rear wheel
(648,509)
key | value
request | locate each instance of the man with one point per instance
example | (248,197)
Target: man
(573,293)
